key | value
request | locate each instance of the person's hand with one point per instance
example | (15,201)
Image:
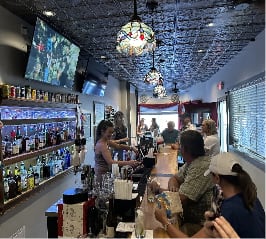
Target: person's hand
(173,184)
(224,228)
(123,140)
(174,146)
(155,186)
(219,227)
(133,163)
(160,214)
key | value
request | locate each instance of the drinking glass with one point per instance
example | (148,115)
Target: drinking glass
(139,223)
(150,193)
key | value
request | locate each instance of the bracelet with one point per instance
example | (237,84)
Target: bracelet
(165,226)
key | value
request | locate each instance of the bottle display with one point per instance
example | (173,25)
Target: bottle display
(20,178)
(30,137)
(36,142)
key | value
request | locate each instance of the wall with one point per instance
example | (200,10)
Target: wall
(13,59)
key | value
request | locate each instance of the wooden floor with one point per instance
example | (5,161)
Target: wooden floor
(29,214)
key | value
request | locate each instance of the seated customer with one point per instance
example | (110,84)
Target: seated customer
(187,125)
(210,136)
(194,189)
(239,206)
(103,156)
(170,134)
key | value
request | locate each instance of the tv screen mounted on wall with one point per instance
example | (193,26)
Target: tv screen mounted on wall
(53,58)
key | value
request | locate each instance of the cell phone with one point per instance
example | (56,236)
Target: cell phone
(216,201)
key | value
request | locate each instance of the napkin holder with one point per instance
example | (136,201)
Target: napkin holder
(149,162)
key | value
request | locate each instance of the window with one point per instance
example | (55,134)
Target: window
(247,117)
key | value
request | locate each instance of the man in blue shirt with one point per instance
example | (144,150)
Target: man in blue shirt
(170,134)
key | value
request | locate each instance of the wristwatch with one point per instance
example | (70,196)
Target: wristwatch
(165,226)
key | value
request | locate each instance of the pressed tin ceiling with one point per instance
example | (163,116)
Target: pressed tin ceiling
(189,50)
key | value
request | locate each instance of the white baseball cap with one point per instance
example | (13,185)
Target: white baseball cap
(223,163)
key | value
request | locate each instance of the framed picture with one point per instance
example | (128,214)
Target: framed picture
(98,112)
(86,123)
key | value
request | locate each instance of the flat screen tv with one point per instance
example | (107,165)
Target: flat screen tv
(53,58)
(93,79)
(94,86)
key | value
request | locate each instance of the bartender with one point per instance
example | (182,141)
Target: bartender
(103,156)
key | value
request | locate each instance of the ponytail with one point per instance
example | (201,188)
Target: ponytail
(245,184)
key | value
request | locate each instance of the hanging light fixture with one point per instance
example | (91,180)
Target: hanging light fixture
(153,76)
(159,90)
(135,37)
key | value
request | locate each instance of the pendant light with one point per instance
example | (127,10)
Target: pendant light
(153,76)
(135,38)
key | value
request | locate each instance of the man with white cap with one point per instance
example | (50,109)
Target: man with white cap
(240,205)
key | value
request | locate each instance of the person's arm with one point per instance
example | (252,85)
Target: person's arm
(108,158)
(172,230)
(119,141)
(173,184)
(115,145)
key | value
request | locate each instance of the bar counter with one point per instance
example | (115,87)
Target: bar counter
(165,167)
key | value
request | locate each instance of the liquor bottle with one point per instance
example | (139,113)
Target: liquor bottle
(18,180)
(36,177)
(26,143)
(15,147)
(58,138)
(19,139)
(12,187)
(8,147)
(23,175)
(30,178)
(111,220)
(6,189)
(36,140)
(8,171)
(31,143)
(93,223)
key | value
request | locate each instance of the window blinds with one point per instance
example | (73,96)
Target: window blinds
(247,117)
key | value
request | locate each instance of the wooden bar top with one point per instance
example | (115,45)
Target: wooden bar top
(165,167)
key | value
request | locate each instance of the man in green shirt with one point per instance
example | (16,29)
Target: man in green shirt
(194,189)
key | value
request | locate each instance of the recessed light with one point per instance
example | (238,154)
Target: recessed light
(49,13)
(200,50)
(103,57)
(211,24)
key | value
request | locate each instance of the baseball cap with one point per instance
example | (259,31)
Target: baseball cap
(223,163)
